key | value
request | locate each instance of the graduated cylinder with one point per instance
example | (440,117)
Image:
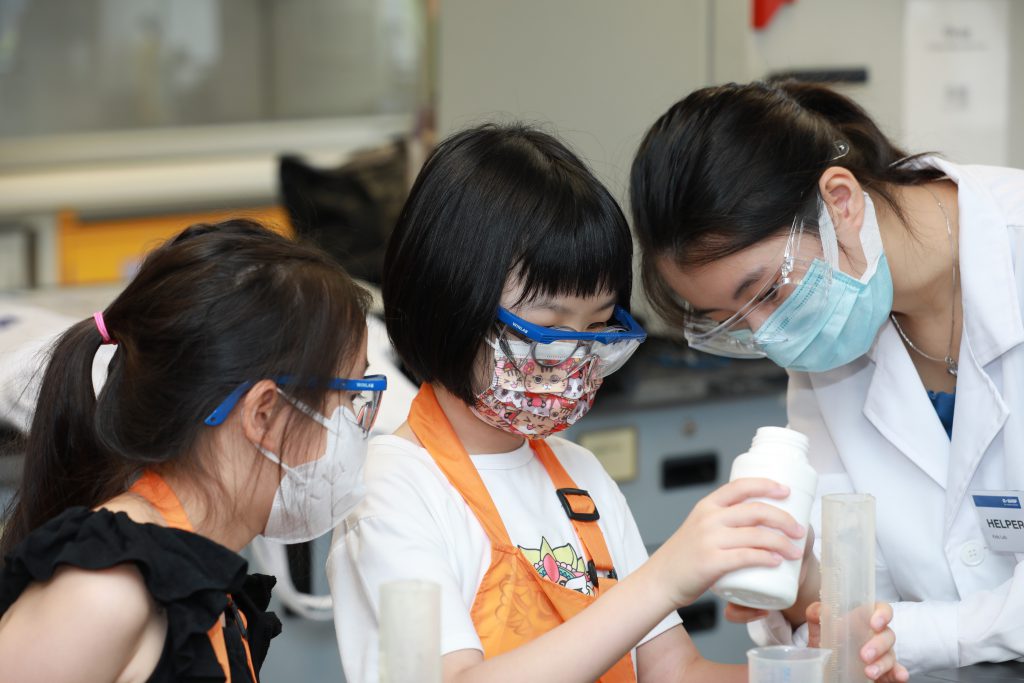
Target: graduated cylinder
(847,582)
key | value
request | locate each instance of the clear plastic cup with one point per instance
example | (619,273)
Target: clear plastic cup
(786,664)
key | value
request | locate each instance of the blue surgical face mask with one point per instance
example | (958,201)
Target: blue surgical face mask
(809,335)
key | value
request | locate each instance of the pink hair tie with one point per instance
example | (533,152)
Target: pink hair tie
(102,327)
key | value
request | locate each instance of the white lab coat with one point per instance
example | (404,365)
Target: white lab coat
(873,430)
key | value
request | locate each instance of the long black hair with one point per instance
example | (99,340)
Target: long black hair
(216,306)
(731,165)
(494,202)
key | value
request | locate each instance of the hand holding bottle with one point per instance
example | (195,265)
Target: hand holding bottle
(725,532)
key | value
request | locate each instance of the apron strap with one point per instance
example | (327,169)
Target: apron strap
(152,487)
(582,512)
(431,426)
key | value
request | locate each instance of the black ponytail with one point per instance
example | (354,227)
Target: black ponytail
(66,464)
(729,166)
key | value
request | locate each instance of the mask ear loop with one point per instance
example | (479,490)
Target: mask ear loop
(826,226)
(303,408)
(827,235)
(319,417)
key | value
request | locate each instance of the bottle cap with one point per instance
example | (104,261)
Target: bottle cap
(780,436)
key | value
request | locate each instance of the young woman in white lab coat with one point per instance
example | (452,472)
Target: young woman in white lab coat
(898,316)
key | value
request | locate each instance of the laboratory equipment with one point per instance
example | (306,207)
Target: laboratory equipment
(847,582)
(787,664)
(779,454)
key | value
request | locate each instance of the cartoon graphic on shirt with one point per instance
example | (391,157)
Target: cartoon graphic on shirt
(561,565)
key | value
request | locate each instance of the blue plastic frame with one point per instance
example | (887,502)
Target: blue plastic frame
(368,383)
(547,335)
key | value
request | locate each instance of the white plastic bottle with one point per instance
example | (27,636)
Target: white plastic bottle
(778,454)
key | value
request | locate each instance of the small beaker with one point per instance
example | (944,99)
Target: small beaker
(787,664)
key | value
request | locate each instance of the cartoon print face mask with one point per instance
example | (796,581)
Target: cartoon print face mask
(547,380)
(534,400)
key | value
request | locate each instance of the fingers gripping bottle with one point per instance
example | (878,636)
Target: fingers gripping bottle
(778,454)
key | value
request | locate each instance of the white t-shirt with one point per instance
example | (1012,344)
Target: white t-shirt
(415,525)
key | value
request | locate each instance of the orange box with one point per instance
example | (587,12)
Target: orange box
(99,251)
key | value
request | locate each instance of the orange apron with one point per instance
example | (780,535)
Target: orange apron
(515,604)
(157,493)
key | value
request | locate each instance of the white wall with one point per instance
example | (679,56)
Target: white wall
(598,71)
(601,71)
(869,33)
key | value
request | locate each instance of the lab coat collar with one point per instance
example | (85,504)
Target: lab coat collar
(898,406)
(992,317)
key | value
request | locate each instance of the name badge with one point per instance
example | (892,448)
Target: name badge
(1001,519)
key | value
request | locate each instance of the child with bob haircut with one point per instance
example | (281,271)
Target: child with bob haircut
(506,291)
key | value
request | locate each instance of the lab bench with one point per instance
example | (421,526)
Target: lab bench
(979,673)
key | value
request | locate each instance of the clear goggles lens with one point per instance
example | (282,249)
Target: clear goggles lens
(806,256)
(602,358)
(363,413)
(365,406)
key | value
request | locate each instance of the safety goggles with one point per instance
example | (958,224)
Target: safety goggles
(606,350)
(366,394)
(809,242)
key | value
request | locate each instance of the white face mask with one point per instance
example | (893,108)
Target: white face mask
(316,496)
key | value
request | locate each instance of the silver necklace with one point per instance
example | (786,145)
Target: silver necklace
(951,365)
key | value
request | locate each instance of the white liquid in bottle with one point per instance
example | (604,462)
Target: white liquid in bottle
(778,454)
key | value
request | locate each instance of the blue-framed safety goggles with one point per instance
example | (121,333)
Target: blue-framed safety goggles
(608,348)
(367,392)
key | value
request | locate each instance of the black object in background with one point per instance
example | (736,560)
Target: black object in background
(689,470)
(348,211)
(855,74)
(700,616)
(300,566)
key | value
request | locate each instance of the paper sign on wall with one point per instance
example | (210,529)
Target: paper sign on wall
(956,78)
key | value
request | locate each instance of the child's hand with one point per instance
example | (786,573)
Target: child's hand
(739,614)
(743,615)
(723,533)
(877,654)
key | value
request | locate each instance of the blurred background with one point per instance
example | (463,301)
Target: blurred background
(123,121)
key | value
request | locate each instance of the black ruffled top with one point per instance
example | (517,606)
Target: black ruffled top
(188,575)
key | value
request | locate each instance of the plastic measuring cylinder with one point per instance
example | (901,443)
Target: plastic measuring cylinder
(786,664)
(847,582)
(778,454)
(410,632)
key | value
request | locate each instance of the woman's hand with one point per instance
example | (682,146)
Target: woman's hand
(877,655)
(724,533)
